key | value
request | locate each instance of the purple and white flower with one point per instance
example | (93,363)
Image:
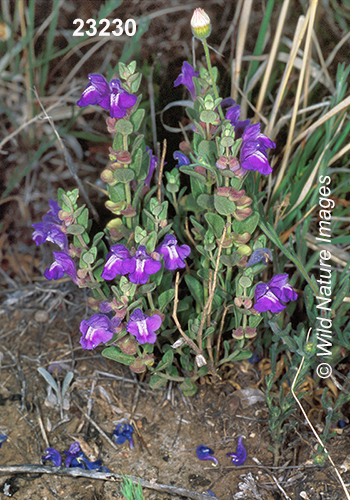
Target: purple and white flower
(141,266)
(114,262)
(186,78)
(98,329)
(62,264)
(143,327)
(50,229)
(254,144)
(240,456)
(110,96)
(174,254)
(274,295)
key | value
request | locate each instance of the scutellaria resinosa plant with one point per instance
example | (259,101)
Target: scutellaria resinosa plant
(173,275)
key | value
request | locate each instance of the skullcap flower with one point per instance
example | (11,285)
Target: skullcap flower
(274,295)
(141,266)
(205,453)
(110,96)
(186,78)
(53,455)
(143,327)
(173,253)
(240,456)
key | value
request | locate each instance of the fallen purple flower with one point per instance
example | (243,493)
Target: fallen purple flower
(240,456)
(122,433)
(3,438)
(260,255)
(205,453)
(53,455)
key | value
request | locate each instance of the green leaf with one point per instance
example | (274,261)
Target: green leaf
(83,218)
(165,298)
(191,172)
(136,118)
(342,293)
(223,205)
(116,354)
(216,222)
(196,289)
(124,175)
(247,225)
(166,360)
(208,150)
(156,381)
(188,387)
(75,229)
(206,201)
(124,127)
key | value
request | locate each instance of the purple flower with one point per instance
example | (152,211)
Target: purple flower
(3,438)
(96,330)
(240,456)
(173,254)
(181,158)
(73,453)
(143,327)
(122,433)
(50,228)
(260,255)
(254,144)
(53,455)
(141,266)
(186,78)
(62,264)
(253,152)
(110,96)
(114,262)
(272,297)
(152,166)
(205,453)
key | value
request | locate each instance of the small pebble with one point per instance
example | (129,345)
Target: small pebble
(41,316)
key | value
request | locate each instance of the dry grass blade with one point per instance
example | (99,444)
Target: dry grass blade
(288,149)
(242,34)
(312,427)
(272,55)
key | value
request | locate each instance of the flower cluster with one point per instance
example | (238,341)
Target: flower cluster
(238,458)
(74,458)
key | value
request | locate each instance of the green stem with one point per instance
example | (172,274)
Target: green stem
(150,301)
(206,50)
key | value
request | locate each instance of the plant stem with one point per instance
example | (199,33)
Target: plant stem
(207,55)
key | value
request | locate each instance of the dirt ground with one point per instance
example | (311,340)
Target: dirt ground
(39,327)
(169,426)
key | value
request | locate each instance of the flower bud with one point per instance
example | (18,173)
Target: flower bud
(200,24)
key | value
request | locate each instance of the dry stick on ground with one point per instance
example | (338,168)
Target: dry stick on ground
(103,434)
(69,161)
(312,427)
(104,476)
